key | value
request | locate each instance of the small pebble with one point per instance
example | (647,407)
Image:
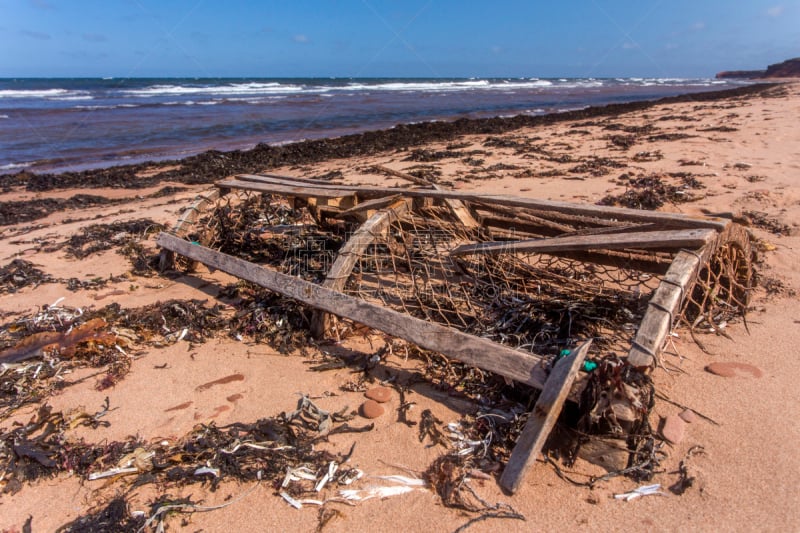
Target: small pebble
(688,416)
(379,394)
(673,429)
(371,409)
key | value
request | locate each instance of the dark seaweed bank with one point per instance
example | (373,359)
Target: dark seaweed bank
(214,165)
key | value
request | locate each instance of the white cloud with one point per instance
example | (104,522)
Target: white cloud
(698,26)
(628,45)
(775,11)
(300,38)
(496,49)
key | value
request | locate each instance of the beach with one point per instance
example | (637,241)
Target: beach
(733,155)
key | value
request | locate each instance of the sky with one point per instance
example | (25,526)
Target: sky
(394,38)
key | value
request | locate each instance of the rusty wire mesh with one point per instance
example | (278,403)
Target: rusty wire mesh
(534,302)
(721,292)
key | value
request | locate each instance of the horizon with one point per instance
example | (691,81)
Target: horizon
(366,39)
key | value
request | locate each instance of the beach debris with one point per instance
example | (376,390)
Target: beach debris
(644,490)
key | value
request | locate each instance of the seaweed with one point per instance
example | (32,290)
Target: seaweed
(20,273)
(651,192)
(100,237)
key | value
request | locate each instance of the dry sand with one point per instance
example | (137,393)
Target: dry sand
(745,151)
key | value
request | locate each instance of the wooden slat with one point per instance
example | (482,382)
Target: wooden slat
(689,238)
(618,213)
(482,353)
(543,417)
(663,307)
(309,181)
(298,191)
(350,253)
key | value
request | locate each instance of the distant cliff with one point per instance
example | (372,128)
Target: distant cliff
(787,69)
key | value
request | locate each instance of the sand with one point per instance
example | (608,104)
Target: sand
(746,151)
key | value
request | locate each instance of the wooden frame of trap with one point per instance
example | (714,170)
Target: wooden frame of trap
(620,236)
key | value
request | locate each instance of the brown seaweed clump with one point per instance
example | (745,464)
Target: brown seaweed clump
(653,191)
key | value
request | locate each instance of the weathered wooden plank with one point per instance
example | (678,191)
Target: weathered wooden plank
(299,191)
(543,417)
(309,181)
(618,213)
(482,353)
(350,253)
(664,306)
(519,215)
(687,238)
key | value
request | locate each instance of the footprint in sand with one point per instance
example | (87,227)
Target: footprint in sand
(728,369)
(179,407)
(220,381)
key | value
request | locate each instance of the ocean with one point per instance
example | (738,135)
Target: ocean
(76,124)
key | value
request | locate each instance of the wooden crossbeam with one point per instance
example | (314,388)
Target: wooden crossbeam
(482,353)
(670,239)
(249,182)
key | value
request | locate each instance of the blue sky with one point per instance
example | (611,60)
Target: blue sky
(393,38)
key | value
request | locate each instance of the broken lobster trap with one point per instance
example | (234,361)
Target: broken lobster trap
(504,283)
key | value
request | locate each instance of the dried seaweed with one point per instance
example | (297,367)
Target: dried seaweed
(110,516)
(100,237)
(651,192)
(20,273)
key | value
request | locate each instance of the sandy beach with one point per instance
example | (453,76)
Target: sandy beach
(92,242)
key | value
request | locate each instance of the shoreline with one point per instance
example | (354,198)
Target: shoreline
(212,165)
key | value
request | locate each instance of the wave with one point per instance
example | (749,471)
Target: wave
(4,116)
(32,93)
(234,88)
(12,166)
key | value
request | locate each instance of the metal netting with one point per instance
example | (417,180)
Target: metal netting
(535,302)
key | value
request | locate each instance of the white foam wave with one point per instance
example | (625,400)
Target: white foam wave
(72,98)
(234,88)
(4,116)
(33,93)
(12,166)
